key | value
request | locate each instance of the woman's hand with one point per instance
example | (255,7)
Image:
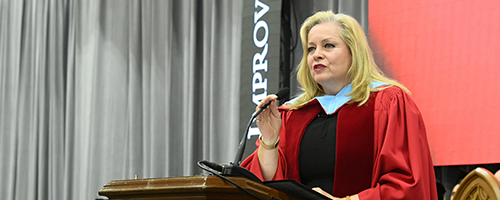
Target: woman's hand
(269,120)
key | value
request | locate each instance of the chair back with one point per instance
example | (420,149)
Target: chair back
(479,184)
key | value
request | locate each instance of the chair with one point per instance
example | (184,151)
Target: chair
(479,184)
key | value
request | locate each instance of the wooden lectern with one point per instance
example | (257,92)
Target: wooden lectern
(191,187)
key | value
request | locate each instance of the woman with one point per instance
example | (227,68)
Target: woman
(353,133)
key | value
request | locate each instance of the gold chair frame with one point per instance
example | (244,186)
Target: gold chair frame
(479,184)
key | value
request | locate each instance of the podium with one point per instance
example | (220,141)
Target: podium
(190,187)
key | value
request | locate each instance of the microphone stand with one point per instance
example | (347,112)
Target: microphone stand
(242,145)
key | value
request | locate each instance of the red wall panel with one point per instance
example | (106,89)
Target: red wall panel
(448,54)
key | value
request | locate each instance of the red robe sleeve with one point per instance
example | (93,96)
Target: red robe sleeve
(252,164)
(403,166)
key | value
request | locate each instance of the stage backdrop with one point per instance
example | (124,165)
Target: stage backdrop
(446,53)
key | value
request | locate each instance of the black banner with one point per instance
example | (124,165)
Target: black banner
(260,60)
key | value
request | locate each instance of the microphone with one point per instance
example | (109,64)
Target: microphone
(234,168)
(282,94)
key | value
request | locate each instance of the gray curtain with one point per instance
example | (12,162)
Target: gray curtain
(93,91)
(99,90)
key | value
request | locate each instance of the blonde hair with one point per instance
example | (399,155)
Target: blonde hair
(362,71)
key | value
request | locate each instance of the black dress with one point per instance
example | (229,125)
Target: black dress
(317,152)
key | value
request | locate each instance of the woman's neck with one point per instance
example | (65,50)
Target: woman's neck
(334,89)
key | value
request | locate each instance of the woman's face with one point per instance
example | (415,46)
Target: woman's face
(328,56)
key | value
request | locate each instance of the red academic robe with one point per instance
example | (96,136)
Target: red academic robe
(382,150)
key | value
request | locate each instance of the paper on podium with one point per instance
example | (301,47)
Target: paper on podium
(296,189)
